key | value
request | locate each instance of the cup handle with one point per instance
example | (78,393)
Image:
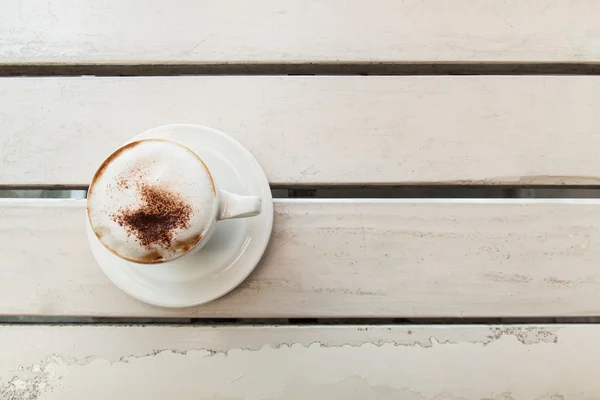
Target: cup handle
(236,206)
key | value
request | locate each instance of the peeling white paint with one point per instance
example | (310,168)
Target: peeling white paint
(457,362)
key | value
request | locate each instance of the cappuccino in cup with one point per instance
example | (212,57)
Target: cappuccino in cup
(155,200)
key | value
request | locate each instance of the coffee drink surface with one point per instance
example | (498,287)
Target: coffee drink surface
(152,201)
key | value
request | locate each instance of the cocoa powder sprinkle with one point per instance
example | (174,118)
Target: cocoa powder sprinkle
(160,215)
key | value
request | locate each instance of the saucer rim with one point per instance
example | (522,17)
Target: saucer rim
(259,245)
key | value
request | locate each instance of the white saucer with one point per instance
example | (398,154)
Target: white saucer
(229,256)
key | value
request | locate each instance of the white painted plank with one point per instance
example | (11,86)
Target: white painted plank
(347,362)
(345,258)
(317,130)
(127,31)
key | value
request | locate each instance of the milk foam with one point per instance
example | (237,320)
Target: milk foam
(151,201)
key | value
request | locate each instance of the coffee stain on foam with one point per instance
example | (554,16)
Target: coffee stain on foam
(100,171)
(151,257)
(183,246)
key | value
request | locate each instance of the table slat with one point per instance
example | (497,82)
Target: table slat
(349,258)
(188,31)
(313,362)
(317,130)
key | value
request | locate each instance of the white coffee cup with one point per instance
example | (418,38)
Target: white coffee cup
(155,200)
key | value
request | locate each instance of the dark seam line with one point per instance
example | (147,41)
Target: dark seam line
(303,68)
(117,321)
(380,192)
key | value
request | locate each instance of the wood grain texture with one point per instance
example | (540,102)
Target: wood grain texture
(349,362)
(317,130)
(339,259)
(188,31)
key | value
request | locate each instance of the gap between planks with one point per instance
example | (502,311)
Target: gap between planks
(372,192)
(366,68)
(290,322)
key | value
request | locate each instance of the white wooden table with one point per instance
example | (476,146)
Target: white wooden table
(433,263)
